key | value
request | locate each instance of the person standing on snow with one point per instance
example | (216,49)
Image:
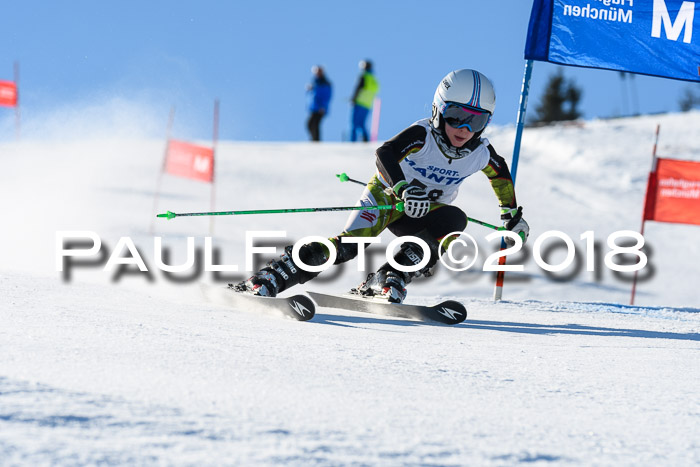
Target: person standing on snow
(320,96)
(423,166)
(362,101)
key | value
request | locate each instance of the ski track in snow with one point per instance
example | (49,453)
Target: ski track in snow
(150,380)
(143,370)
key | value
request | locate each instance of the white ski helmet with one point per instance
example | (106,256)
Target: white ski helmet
(467,88)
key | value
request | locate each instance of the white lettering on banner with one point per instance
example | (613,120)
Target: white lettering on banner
(679,188)
(675,193)
(680,183)
(624,16)
(201,164)
(685,18)
(602,14)
(616,2)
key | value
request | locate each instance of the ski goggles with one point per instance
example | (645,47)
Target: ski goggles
(460,116)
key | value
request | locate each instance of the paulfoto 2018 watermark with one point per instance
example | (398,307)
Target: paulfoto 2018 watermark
(85,249)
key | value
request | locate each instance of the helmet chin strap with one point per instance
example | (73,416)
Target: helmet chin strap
(476,136)
(450,152)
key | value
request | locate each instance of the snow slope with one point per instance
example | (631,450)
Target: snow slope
(138,369)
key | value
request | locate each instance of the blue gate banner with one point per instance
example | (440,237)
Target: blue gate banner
(649,37)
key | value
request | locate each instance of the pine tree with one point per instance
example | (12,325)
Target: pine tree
(560,100)
(690,99)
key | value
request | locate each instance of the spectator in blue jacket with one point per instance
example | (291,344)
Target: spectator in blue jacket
(320,96)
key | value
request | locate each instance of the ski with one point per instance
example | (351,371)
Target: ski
(298,307)
(447,312)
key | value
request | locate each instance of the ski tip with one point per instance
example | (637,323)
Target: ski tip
(304,308)
(451,312)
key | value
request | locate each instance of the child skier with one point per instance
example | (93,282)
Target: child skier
(423,166)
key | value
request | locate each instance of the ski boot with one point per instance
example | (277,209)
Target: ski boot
(386,285)
(390,284)
(282,273)
(263,283)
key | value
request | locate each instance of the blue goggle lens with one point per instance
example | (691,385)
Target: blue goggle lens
(459,116)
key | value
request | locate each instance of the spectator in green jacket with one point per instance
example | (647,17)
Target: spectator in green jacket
(362,100)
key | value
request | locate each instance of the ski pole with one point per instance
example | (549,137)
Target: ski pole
(344,178)
(486,224)
(170,215)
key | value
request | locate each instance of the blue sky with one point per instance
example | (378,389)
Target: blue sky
(256,58)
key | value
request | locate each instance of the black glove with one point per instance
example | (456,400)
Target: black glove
(513,220)
(416,202)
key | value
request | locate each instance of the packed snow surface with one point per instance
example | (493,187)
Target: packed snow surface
(130,367)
